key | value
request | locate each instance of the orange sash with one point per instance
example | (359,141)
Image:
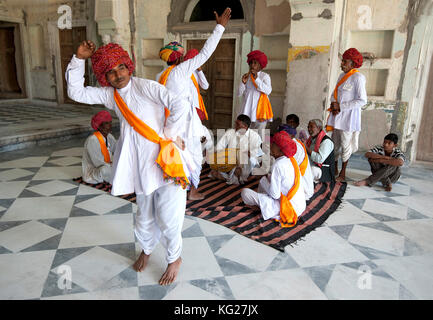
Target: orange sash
(288,216)
(345,77)
(264,108)
(169,159)
(200,98)
(163,80)
(104,149)
(304,163)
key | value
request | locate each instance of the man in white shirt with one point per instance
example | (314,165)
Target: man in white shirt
(98,150)
(161,201)
(346,103)
(177,79)
(283,185)
(249,144)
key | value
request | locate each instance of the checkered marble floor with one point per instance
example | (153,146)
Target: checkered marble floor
(61,240)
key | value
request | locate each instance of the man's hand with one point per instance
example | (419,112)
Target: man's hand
(254,73)
(238,172)
(180,143)
(245,77)
(199,69)
(86,49)
(335,108)
(224,18)
(203,139)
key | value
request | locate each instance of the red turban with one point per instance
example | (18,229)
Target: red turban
(259,56)
(101,116)
(286,144)
(190,54)
(106,58)
(354,55)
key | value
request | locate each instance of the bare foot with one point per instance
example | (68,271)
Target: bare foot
(195,196)
(141,262)
(388,187)
(170,273)
(361,183)
(340,178)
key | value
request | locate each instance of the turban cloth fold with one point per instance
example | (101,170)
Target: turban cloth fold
(285,143)
(259,56)
(171,52)
(106,58)
(354,55)
(190,54)
(99,118)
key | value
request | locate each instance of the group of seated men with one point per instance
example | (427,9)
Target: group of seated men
(298,160)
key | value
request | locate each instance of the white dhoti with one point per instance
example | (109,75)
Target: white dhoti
(160,217)
(345,143)
(98,175)
(317,172)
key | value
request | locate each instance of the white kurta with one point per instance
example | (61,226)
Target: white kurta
(251,95)
(134,166)
(282,180)
(250,141)
(308,175)
(352,95)
(95,169)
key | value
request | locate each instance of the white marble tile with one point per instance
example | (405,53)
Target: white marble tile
(39,208)
(257,257)
(419,231)
(28,162)
(2,208)
(115,294)
(385,208)
(86,190)
(323,247)
(97,230)
(213,229)
(414,273)
(357,174)
(352,284)
(26,235)
(66,161)
(377,239)
(52,187)
(23,275)
(95,267)
(346,214)
(78,151)
(187,223)
(354,192)
(14,174)
(11,189)
(102,204)
(156,266)
(61,173)
(186,291)
(422,203)
(401,189)
(293,284)
(421,185)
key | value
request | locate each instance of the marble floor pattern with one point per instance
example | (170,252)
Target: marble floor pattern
(61,240)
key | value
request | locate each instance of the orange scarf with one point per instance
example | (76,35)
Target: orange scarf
(163,80)
(288,216)
(200,98)
(169,159)
(104,149)
(304,163)
(345,77)
(264,108)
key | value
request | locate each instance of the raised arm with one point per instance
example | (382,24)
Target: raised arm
(75,78)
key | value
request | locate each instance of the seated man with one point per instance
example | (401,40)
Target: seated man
(320,148)
(248,142)
(98,150)
(280,195)
(292,124)
(385,162)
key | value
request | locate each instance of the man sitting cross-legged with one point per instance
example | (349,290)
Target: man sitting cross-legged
(385,162)
(281,194)
(248,142)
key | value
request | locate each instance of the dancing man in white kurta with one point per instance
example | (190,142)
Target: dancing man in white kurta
(177,78)
(345,111)
(281,194)
(161,202)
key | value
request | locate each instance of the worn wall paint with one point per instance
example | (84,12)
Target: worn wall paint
(304,52)
(271,19)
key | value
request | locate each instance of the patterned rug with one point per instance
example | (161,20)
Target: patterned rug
(223,205)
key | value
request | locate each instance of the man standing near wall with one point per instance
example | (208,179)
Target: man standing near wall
(345,111)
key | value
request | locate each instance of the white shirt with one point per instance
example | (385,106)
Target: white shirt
(352,95)
(308,175)
(93,157)
(134,166)
(282,180)
(325,149)
(251,95)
